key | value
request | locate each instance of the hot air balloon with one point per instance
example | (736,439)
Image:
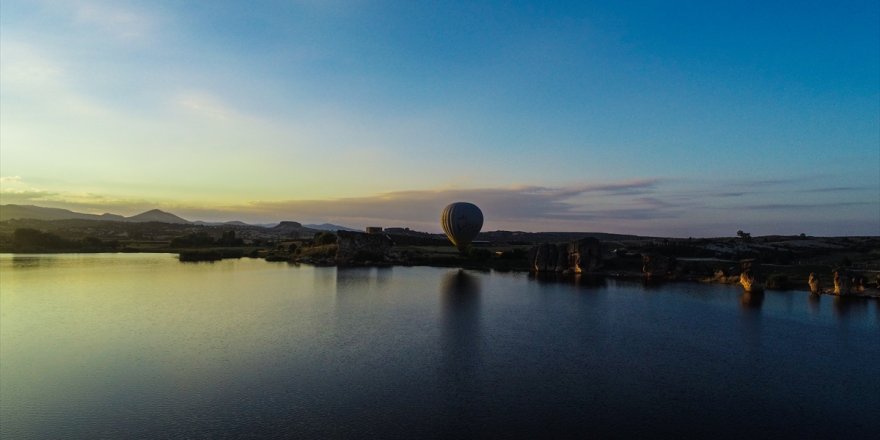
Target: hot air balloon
(461,222)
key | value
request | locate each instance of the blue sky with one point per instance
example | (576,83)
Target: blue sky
(662,118)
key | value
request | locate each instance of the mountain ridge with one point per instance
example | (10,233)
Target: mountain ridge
(34,212)
(9,212)
(331,227)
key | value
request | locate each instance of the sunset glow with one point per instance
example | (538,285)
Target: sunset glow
(657,119)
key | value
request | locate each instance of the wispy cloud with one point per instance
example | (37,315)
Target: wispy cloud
(31,74)
(10,180)
(504,207)
(837,189)
(798,206)
(204,104)
(763,183)
(646,206)
(122,22)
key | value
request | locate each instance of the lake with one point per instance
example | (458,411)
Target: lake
(143,346)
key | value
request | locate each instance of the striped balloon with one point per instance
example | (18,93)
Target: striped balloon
(461,222)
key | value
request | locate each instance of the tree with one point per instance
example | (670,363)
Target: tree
(32,239)
(745,236)
(322,238)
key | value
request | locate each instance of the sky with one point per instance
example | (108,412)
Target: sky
(647,117)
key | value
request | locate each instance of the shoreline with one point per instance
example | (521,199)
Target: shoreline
(213,255)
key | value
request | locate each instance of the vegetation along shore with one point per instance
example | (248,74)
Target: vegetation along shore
(822,265)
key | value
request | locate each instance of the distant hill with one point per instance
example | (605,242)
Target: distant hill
(292,230)
(8,212)
(331,227)
(22,212)
(235,223)
(155,215)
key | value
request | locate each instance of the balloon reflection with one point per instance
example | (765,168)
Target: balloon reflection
(461,356)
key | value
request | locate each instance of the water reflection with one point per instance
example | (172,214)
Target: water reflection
(363,278)
(156,349)
(324,278)
(461,357)
(383,275)
(845,306)
(652,283)
(578,280)
(750,303)
(353,278)
(751,300)
(31,261)
(814,302)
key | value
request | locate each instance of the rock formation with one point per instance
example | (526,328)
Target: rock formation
(749,276)
(578,256)
(359,247)
(858,285)
(815,284)
(585,255)
(841,282)
(562,260)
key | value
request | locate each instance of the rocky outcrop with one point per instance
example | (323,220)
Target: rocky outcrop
(857,285)
(291,229)
(815,284)
(587,254)
(579,256)
(841,282)
(360,248)
(749,276)
(544,255)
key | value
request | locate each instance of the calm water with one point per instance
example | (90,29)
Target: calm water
(142,346)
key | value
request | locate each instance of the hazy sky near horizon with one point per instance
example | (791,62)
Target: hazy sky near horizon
(663,118)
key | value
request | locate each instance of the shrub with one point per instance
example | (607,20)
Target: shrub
(26,239)
(324,238)
(778,281)
(479,254)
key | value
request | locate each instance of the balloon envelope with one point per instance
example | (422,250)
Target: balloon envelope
(461,222)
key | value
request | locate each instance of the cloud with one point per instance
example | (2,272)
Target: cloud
(15,191)
(419,208)
(121,22)
(798,206)
(10,180)
(30,74)
(503,206)
(14,188)
(773,182)
(204,104)
(24,66)
(113,19)
(644,206)
(27,197)
(836,189)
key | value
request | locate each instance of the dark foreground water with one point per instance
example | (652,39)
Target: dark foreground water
(142,346)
